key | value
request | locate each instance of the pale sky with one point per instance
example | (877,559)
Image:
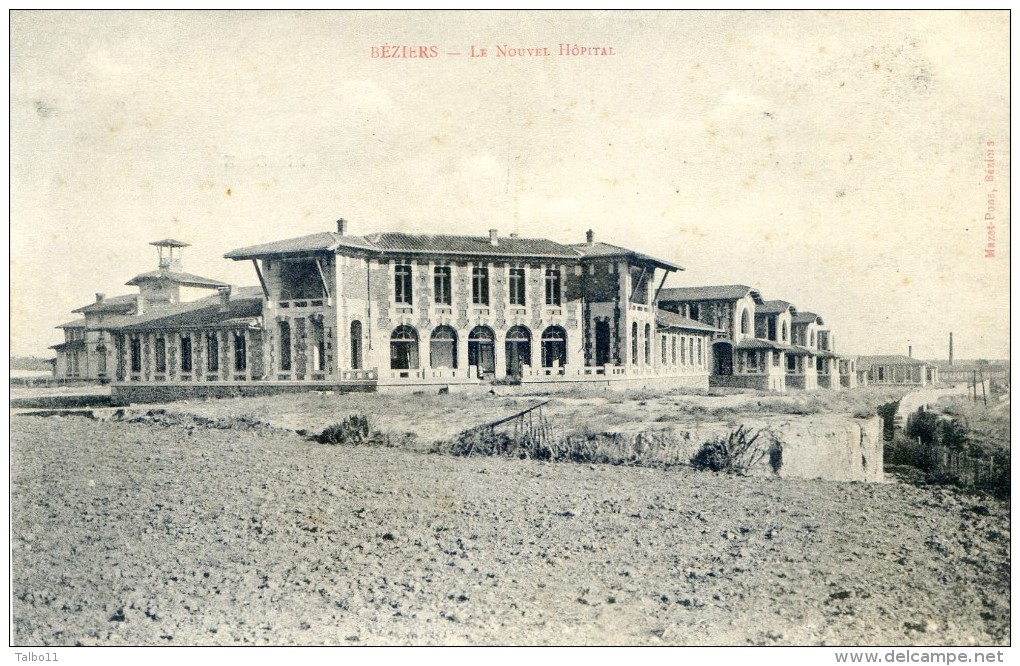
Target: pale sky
(834,160)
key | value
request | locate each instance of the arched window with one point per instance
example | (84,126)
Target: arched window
(633,343)
(518,350)
(554,347)
(648,344)
(356,345)
(404,348)
(482,349)
(443,348)
(745,322)
(786,333)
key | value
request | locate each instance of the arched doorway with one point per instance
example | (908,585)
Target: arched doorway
(518,350)
(443,348)
(482,349)
(554,346)
(723,354)
(404,348)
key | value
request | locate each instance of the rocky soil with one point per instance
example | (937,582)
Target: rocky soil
(208,533)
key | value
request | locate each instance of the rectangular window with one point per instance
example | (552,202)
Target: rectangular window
(285,346)
(186,353)
(240,352)
(516,286)
(683,350)
(701,358)
(136,355)
(402,283)
(639,284)
(552,287)
(212,349)
(443,291)
(695,311)
(480,285)
(791,363)
(160,354)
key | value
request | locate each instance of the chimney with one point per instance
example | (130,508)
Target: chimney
(493,237)
(950,348)
(224,298)
(910,351)
(341,226)
(591,237)
(100,297)
(514,235)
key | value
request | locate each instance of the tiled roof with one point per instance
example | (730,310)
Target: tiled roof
(760,343)
(470,245)
(77,323)
(776,307)
(320,242)
(865,362)
(725,292)
(797,350)
(807,318)
(673,320)
(599,249)
(68,345)
(396,243)
(204,313)
(112,304)
(177,277)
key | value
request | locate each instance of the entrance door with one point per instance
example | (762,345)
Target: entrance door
(518,350)
(601,343)
(481,349)
(723,352)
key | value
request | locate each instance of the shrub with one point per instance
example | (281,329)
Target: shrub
(352,430)
(738,453)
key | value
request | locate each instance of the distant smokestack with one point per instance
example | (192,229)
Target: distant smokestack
(341,226)
(950,349)
(590,235)
(493,237)
(224,298)
(100,297)
(910,351)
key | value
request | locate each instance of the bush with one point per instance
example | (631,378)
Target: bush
(352,430)
(738,453)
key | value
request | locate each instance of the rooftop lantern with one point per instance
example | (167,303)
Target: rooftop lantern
(166,249)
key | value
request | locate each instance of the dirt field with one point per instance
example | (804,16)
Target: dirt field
(153,535)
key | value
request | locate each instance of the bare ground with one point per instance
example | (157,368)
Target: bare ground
(166,535)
